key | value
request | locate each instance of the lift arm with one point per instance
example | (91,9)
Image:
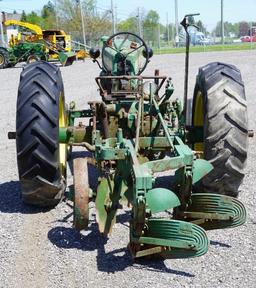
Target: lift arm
(29,26)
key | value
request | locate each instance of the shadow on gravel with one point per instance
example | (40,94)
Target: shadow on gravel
(10,200)
(157,265)
(220,244)
(109,262)
(10,192)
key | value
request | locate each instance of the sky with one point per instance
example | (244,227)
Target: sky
(234,10)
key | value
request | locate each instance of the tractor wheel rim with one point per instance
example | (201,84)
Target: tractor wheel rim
(1,59)
(62,123)
(32,60)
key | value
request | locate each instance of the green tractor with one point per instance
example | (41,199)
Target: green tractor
(137,133)
(22,52)
(33,51)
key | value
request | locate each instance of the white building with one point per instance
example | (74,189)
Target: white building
(6,32)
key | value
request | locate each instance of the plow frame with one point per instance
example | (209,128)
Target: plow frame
(126,176)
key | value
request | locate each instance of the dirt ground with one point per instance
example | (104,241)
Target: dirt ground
(41,249)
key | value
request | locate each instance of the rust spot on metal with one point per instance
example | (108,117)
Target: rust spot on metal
(81,195)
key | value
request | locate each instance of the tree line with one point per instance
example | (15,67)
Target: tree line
(66,15)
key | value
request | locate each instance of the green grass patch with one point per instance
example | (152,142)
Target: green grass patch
(207,48)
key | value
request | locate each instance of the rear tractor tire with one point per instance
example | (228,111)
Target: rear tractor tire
(219,106)
(40,113)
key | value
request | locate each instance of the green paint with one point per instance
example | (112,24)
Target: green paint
(201,168)
(133,114)
(186,239)
(222,211)
(161,199)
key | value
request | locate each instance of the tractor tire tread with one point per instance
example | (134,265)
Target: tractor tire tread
(225,127)
(37,126)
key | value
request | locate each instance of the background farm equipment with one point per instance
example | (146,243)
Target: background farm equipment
(56,37)
(27,52)
(33,51)
(136,132)
(55,45)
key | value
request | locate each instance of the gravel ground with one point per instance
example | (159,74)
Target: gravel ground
(40,249)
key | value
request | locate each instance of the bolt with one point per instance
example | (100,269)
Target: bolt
(250,133)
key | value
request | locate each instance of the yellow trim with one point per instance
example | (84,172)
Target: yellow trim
(62,123)
(1,59)
(27,25)
(198,118)
(39,34)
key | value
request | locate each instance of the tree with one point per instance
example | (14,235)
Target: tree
(229,29)
(130,25)
(23,16)
(150,27)
(96,24)
(170,29)
(201,27)
(33,18)
(89,7)
(48,10)
(49,16)
(244,27)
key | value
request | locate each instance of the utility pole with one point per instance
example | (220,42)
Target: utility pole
(1,27)
(177,40)
(82,21)
(115,10)
(251,34)
(139,23)
(159,37)
(168,28)
(113,17)
(222,23)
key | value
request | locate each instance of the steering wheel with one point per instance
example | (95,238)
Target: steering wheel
(124,44)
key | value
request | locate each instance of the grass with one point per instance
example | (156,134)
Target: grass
(207,48)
